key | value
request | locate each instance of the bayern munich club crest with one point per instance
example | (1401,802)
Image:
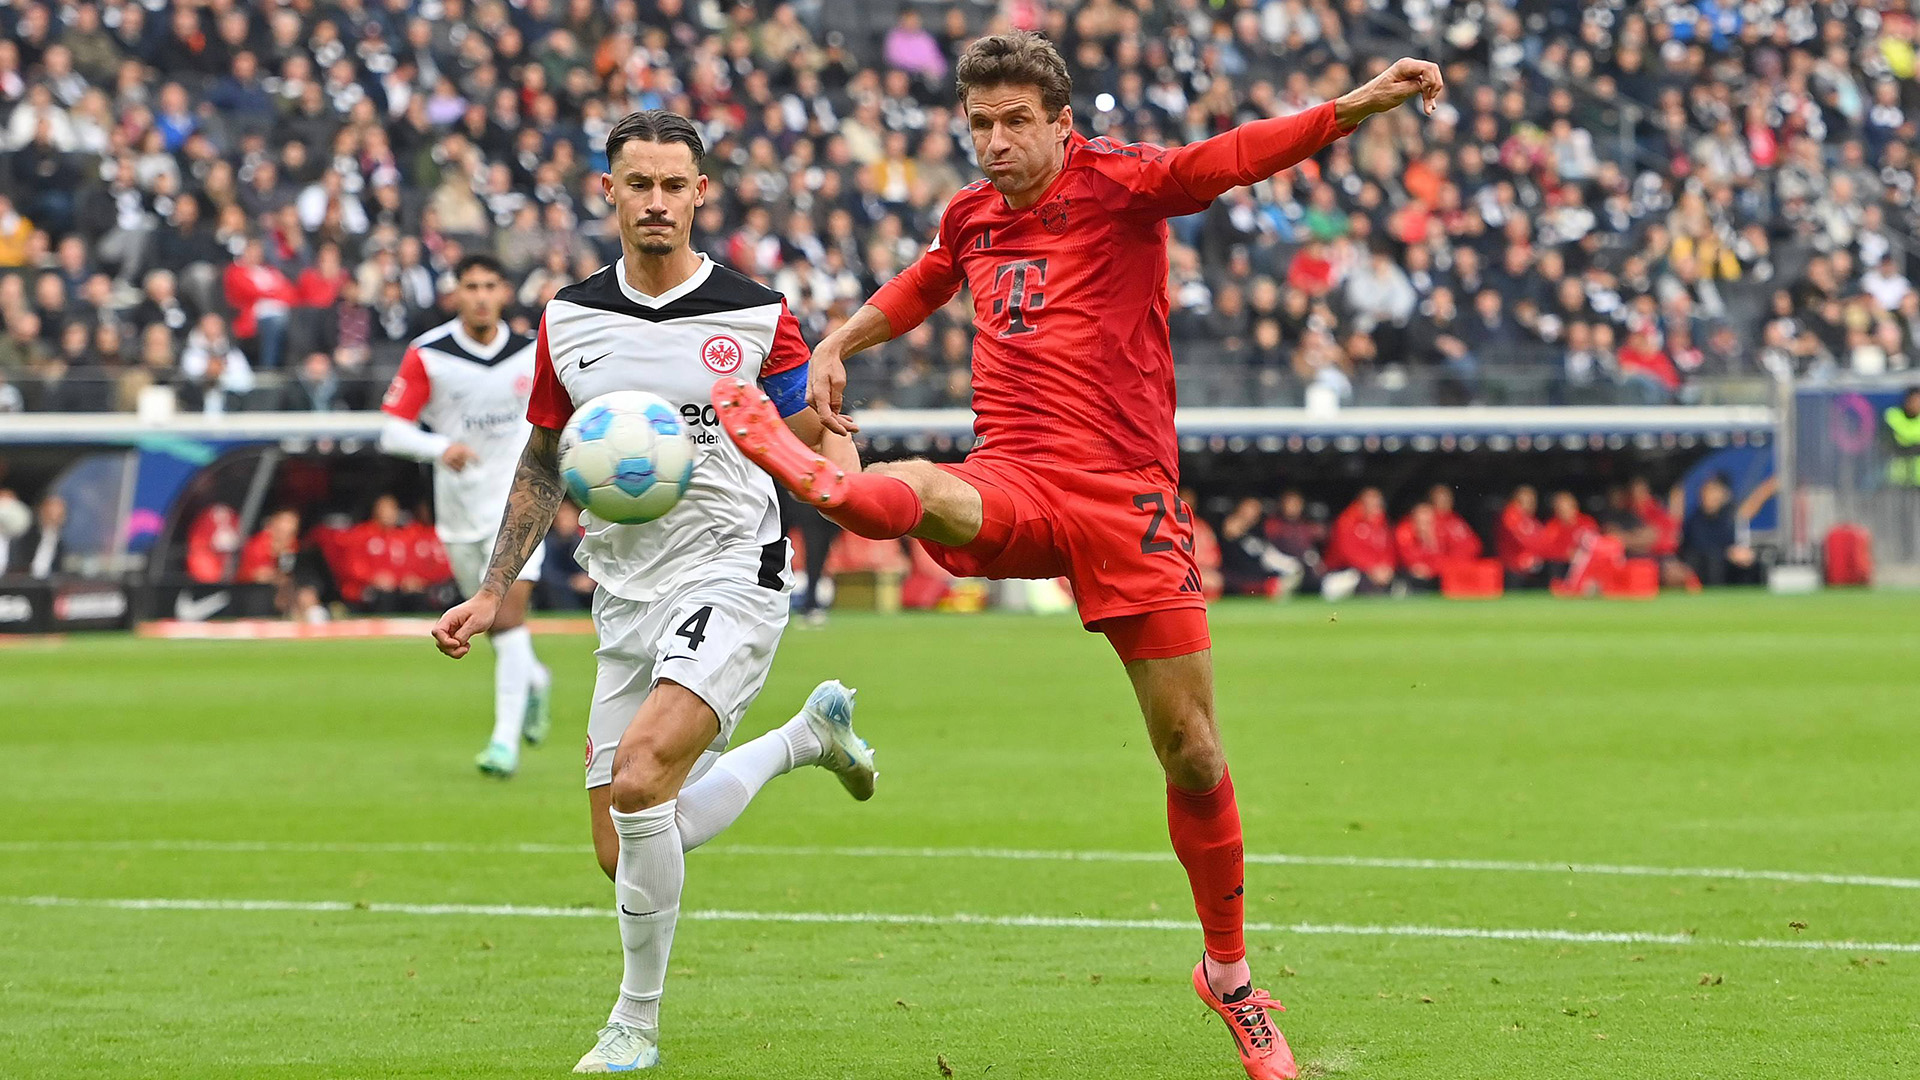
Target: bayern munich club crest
(722,354)
(1053,216)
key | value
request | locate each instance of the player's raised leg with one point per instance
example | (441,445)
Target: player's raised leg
(1176,699)
(882,502)
(821,733)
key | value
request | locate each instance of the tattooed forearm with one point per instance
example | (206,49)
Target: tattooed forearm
(530,509)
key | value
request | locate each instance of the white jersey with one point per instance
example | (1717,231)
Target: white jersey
(602,335)
(476,395)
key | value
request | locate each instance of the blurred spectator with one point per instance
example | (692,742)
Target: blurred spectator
(1567,530)
(274,557)
(1600,180)
(261,298)
(1250,565)
(213,540)
(1458,541)
(1361,547)
(1710,538)
(1420,549)
(563,586)
(314,387)
(1518,542)
(214,374)
(388,564)
(36,552)
(1298,536)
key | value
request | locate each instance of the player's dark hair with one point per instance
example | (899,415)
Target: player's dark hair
(655,126)
(479,260)
(1018,58)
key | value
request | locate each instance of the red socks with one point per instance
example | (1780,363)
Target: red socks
(1205,826)
(876,507)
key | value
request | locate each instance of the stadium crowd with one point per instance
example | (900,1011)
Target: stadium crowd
(257,204)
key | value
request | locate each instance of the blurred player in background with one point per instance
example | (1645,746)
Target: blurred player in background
(1064,246)
(690,607)
(468,381)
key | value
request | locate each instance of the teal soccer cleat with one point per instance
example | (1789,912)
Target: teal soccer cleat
(829,712)
(497,760)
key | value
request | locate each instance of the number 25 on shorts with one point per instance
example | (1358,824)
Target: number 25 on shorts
(1155,503)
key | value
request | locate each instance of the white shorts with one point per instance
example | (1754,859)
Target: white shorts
(471,558)
(716,637)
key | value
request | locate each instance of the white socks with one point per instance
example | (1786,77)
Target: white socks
(646,888)
(515,669)
(714,801)
(652,869)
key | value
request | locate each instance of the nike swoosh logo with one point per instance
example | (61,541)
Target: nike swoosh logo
(585,364)
(681,656)
(187,609)
(638,914)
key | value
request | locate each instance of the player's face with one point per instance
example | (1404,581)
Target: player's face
(655,189)
(1020,149)
(480,297)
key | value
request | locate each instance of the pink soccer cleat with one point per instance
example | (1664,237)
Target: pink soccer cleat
(1263,1050)
(750,420)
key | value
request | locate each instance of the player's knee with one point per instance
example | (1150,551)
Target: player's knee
(1191,756)
(642,777)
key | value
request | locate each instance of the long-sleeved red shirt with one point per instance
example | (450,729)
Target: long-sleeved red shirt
(1071,363)
(1361,541)
(1518,541)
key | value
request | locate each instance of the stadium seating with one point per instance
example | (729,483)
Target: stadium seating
(1618,201)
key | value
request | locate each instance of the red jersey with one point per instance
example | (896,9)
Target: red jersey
(1361,541)
(1457,538)
(260,561)
(1071,364)
(1666,529)
(1518,541)
(1560,539)
(1421,553)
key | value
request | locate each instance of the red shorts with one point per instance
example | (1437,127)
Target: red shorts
(1123,540)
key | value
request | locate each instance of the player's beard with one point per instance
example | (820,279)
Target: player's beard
(649,242)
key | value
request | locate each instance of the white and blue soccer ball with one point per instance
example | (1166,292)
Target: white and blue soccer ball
(625,457)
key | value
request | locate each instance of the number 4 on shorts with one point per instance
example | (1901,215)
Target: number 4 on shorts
(695,628)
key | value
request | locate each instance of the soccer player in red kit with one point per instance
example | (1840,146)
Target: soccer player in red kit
(1064,246)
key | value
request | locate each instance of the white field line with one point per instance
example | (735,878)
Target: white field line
(880,918)
(1368,862)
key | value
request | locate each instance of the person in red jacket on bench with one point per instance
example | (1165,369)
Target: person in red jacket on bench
(1457,538)
(1362,543)
(1517,542)
(1421,548)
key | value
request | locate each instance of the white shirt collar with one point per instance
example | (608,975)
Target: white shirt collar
(694,281)
(484,352)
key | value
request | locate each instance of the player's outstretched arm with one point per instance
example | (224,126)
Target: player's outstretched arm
(530,508)
(1390,89)
(827,369)
(1208,169)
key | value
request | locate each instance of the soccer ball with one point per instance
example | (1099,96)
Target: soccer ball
(625,457)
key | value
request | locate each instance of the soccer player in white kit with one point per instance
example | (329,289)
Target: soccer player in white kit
(468,381)
(690,607)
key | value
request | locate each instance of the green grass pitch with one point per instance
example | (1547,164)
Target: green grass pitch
(1537,742)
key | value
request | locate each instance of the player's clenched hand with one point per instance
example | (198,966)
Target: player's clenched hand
(455,631)
(1408,77)
(458,456)
(826,390)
